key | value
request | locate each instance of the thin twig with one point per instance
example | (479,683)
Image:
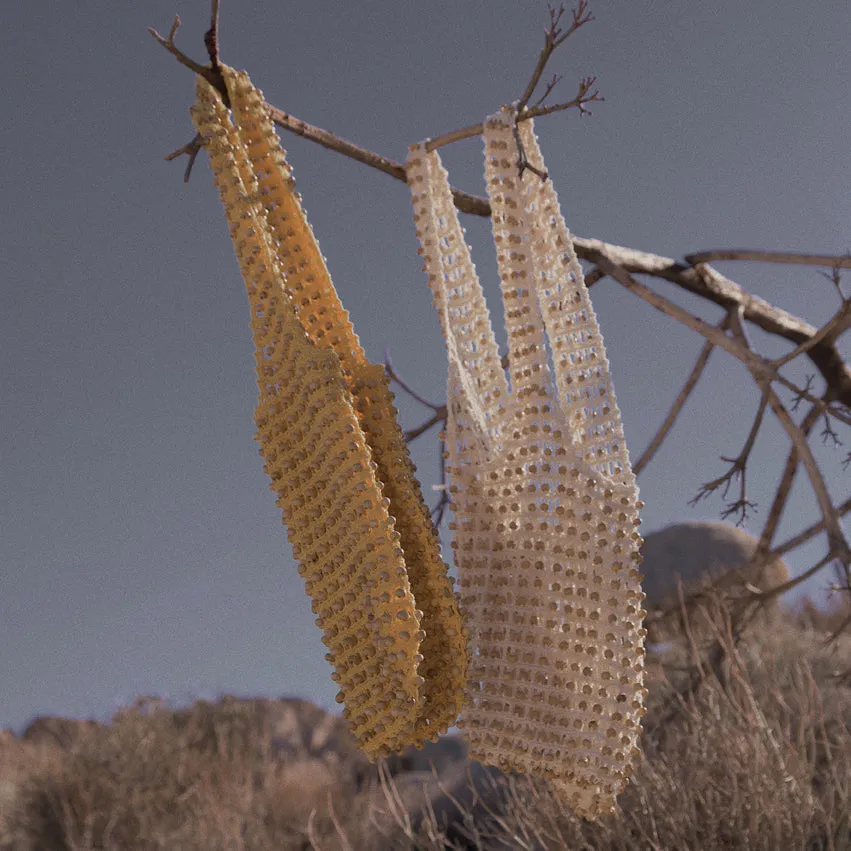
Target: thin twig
(391,373)
(840,323)
(841,262)
(839,548)
(838,545)
(803,394)
(191,149)
(764,595)
(556,79)
(211,37)
(711,332)
(676,408)
(444,501)
(810,532)
(182,58)
(582,97)
(579,101)
(553,37)
(336,143)
(738,469)
(523,163)
(835,278)
(829,435)
(437,417)
(785,487)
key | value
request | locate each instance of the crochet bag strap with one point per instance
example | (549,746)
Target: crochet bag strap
(586,394)
(545,508)
(478,384)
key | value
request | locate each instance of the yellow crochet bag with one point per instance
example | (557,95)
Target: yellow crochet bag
(545,503)
(333,449)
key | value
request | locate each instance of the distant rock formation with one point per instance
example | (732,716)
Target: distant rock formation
(312,749)
(697,553)
(58,732)
(289,731)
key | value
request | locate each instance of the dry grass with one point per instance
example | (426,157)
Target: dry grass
(758,757)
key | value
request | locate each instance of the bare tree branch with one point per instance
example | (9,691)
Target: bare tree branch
(702,280)
(436,418)
(391,373)
(523,163)
(712,286)
(835,278)
(738,470)
(182,58)
(336,143)
(553,37)
(480,206)
(838,545)
(191,149)
(803,393)
(556,79)
(810,532)
(830,331)
(778,590)
(841,262)
(584,95)
(784,488)
(622,263)
(676,408)
(712,333)
(439,415)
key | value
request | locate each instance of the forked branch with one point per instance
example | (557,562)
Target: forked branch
(553,37)
(738,470)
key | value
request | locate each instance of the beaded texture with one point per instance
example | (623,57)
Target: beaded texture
(545,502)
(334,452)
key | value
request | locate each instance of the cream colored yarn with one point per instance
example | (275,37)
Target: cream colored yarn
(545,503)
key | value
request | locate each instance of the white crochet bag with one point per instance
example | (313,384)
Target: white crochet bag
(545,503)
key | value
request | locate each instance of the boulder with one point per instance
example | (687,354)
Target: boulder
(701,555)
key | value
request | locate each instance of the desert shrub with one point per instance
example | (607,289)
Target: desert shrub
(756,756)
(202,778)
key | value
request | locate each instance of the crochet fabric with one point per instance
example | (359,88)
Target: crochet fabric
(334,451)
(545,503)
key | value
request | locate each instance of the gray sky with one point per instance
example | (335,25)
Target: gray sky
(141,551)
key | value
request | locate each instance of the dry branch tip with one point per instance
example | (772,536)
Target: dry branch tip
(191,149)
(553,37)
(169,45)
